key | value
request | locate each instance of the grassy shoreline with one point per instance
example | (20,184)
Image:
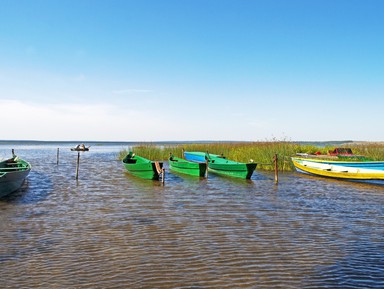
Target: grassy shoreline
(260,152)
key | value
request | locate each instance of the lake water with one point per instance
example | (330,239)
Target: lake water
(111,230)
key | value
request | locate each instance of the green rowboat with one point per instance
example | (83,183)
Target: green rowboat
(187,167)
(142,167)
(220,165)
(13,172)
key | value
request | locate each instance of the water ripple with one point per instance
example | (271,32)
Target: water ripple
(111,230)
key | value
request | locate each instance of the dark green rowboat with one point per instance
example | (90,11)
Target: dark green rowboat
(142,167)
(221,165)
(187,167)
(12,174)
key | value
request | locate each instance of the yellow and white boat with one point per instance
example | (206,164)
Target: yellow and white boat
(341,170)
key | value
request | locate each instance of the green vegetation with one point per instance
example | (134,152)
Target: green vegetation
(373,151)
(260,152)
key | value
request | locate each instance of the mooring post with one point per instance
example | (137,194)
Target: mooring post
(77,165)
(275,158)
(57,156)
(206,168)
(163,176)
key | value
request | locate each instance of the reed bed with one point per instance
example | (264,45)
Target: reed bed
(374,151)
(260,152)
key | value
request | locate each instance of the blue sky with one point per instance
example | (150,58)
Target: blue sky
(150,70)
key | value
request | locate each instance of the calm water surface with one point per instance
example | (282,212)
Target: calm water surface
(111,230)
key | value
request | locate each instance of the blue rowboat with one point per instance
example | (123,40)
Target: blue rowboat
(198,157)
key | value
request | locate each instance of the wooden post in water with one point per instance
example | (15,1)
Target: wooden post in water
(77,165)
(163,176)
(206,169)
(57,156)
(276,169)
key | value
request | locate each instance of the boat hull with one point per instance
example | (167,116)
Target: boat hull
(142,167)
(12,177)
(222,166)
(179,165)
(339,170)
(243,171)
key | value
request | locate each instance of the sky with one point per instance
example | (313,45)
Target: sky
(189,70)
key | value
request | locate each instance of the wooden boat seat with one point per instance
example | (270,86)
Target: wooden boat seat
(14,166)
(11,169)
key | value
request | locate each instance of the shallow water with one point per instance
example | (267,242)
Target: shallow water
(111,230)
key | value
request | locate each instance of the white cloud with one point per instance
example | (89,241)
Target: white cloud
(73,122)
(126,121)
